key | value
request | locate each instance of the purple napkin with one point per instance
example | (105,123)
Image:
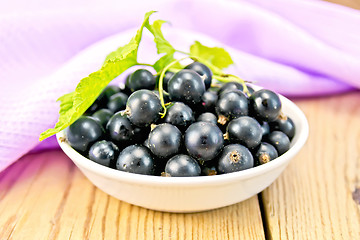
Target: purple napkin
(298,48)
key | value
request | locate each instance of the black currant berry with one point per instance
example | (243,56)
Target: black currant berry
(182,166)
(83,133)
(166,79)
(103,98)
(164,140)
(265,128)
(279,140)
(235,157)
(265,105)
(285,125)
(209,100)
(265,153)
(179,115)
(186,86)
(120,129)
(230,86)
(165,95)
(103,116)
(207,117)
(141,79)
(203,71)
(244,130)
(104,153)
(143,108)
(117,102)
(136,159)
(232,104)
(203,141)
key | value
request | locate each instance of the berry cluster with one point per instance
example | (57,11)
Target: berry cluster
(205,131)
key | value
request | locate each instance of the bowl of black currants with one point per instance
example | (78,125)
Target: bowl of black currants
(197,145)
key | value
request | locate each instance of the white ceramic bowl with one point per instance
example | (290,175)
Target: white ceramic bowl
(191,194)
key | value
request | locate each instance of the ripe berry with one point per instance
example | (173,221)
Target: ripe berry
(231,105)
(265,153)
(182,166)
(285,125)
(235,157)
(143,108)
(104,153)
(207,117)
(83,133)
(164,140)
(136,159)
(203,140)
(119,128)
(117,102)
(265,105)
(209,100)
(103,116)
(244,130)
(141,79)
(179,115)
(203,71)
(230,86)
(166,79)
(279,140)
(186,86)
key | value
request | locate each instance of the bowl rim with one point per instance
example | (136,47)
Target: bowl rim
(297,143)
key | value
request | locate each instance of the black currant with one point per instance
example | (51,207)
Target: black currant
(83,133)
(207,117)
(166,79)
(203,71)
(232,104)
(136,159)
(164,140)
(104,153)
(208,101)
(244,130)
(117,102)
(186,86)
(179,115)
(143,108)
(235,157)
(265,153)
(203,140)
(141,79)
(120,129)
(182,166)
(265,105)
(103,116)
(230,86)
(279,140)
(284,124)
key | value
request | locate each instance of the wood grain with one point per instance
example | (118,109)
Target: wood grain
(46,197)
(313,199)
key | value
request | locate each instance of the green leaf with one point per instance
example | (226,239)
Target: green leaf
(74,104)
(215,57)
(163,61)
(162,45)
(130,49)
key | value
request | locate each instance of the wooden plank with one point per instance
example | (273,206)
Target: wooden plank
(46,197)
(313,199)
(348,3)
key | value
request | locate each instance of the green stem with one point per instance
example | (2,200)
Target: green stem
(161,80)
(218,73)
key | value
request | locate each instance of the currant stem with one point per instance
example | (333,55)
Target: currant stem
(161,80)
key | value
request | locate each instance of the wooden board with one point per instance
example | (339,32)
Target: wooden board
(316,197)
(46,197)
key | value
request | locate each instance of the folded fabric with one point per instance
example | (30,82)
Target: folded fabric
(298,48)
